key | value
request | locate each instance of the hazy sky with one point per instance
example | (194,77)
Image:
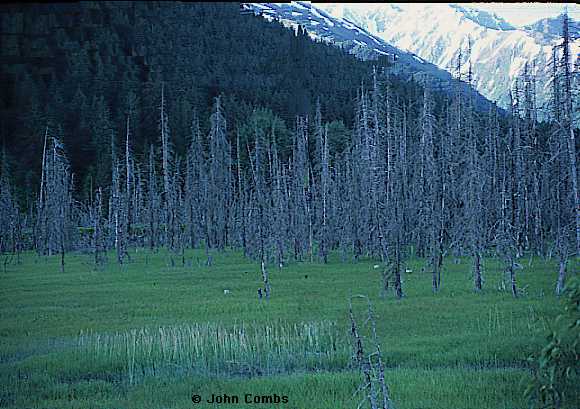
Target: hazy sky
(526,13)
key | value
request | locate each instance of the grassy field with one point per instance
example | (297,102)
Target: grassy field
(147,335)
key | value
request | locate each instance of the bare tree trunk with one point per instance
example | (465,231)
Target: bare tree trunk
(117,202)
(97,210)
(152,202)
(385,394)
(168,208)
(266,279)
(364,362)
(241,197)
(477,271)
(512,274)
(436,276)
(41,233)
(561,276)
(128,183)
(397,269)
(62,251)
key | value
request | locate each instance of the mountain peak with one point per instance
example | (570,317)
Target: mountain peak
(483,18)
(551,28)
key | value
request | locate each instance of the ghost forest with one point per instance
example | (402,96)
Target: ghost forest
(416,172)
(416,176)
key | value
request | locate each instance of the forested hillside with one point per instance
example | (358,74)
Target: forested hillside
(83,67)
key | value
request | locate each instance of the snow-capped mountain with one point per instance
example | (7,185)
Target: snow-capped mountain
(349,35)
(426,40)
(484,18)
(548,30)
(437,33)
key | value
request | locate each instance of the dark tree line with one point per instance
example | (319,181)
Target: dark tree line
(86,66)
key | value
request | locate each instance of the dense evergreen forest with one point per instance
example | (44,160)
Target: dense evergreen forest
(183,125)
(83,67)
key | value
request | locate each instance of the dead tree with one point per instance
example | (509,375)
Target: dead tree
(300,192)
(260,206)
(138,206)
(99,248)
(370,364)
(506,237)
(179,216)
(167,167)
(118,206)
(129,184)
(538,160)
(279,208)
(219,178)
(396,205)
(324,196)
(195,181)
(41,233)
(55,199)
(241,198)
(473,210)
(153,202)
(431,187)
(379,364)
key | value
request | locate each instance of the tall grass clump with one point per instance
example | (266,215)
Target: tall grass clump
(212,349)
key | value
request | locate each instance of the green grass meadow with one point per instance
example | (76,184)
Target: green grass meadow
(148,335)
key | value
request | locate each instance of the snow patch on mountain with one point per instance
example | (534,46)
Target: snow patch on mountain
(439,32)
(548,30)
(484,18)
